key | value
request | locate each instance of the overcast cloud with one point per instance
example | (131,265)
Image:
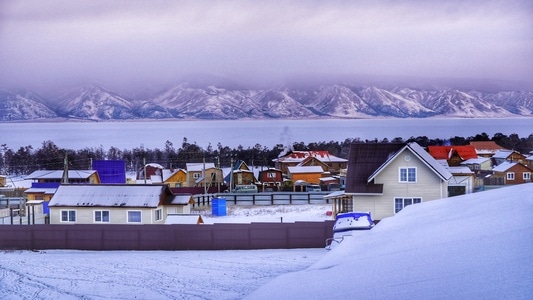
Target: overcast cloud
(119,42)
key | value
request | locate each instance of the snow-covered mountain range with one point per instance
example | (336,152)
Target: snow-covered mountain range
(187,101)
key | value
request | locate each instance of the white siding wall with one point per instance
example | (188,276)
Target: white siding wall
(428,187)
(178,209)
(85,215)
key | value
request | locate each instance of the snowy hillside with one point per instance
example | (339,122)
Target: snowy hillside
(476,246)
(189,101)
(94,103)
(23,105)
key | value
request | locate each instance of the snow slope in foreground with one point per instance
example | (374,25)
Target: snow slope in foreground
(476,246)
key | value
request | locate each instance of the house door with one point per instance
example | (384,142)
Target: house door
(456,190)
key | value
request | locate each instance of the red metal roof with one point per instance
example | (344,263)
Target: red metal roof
(446,152)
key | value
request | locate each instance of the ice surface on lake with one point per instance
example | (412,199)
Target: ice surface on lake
(248,133)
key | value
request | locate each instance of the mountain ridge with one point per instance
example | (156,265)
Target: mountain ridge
(193,101)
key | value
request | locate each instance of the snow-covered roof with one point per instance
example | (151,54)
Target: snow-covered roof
(335,194)
(473,161)
(115,195)
(154,165)
(184,219)
(503,153)
(58,174)
(486,147)
(182,199)
(46,191)
(305,169)
(504,166)
(196,167)
(298,156)
(460,170)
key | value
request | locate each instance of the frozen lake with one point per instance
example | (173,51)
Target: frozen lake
(232,133)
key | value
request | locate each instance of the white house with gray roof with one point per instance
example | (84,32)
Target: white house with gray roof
(116,204)
(384,178)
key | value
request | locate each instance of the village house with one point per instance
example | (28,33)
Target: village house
(155,173)
(463,180)
(509,173)
(478,165)
(486,148)
(305,174)
(57,176)
(328,162)
(454,155)
(529,161)
(270,178)
(116,204)
(240,174)
(383,178)
(45,183)
(508,156)
(204,175)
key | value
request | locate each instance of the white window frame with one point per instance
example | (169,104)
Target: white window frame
(196,175)
(411,200)
(71,216)
(408,178)
(134,211)
(101,212)
(526,176)
(510,176)
(158,214)
(271,175)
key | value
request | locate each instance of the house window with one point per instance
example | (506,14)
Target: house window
(68,216)
(158,214)
(101,216)
(407,174)
(400,203)
(271,175)
(134,216)
(196,175)
(526,176)
(510,176)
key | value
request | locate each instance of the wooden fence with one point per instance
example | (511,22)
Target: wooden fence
(167,237)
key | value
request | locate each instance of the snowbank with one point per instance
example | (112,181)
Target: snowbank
(476,246)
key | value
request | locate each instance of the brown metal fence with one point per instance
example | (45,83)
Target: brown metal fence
(167,237)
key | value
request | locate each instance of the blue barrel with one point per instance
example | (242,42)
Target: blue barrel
(218,206)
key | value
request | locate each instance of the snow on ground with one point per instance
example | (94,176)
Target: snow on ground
(476,246)
(269,213)
(67,274)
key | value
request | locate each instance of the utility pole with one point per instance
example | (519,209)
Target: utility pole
(205,179)
(144,169)
(231,175)
(64,179)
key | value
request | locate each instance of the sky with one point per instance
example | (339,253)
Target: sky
(475,246)
(125,43)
